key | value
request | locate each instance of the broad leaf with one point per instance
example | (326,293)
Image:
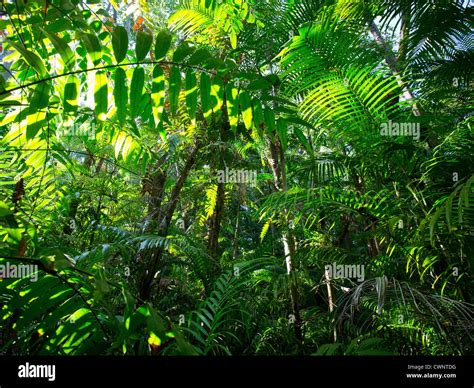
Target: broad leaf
(143,45)
(136,90)
(101,94)
(174,89)
(191,93)
(162,44)
(158,93)
(120,43)
(121,94)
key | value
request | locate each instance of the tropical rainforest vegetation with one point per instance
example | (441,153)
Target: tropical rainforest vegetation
(236,177)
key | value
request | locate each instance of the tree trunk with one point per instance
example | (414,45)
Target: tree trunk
(394,67)
(215,225)
(164,223)
(278,166)
(236,234)
(392,64)
(331,303)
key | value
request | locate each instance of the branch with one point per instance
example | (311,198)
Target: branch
(6,91)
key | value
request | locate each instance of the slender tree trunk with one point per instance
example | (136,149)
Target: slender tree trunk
(164,224)
(278,166)
(331,303)
(157,191)
(236,234)
(404,37)
(395,69)
(215,226)
(392,64)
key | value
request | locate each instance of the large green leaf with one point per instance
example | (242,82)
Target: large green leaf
(162,44)
(136,90)
(232,100)
(92,45)
(36,111)
(40,96)
(158,93)
(31,58)
(246,109)
(270,122)
(101,94)
(217,93)
(191,93)
(258,118)
(121,94)
(71,94)
(182,51)
(143,45)
(62,48)
(199,57)
(120,43)
(205,86)
(174,89)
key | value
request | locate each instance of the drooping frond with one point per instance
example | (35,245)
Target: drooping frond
(339,82)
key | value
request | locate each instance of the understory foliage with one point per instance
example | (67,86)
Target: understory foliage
(177,177)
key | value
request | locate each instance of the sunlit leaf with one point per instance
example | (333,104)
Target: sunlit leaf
(120,43)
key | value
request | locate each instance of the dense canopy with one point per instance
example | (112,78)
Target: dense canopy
(236,177)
